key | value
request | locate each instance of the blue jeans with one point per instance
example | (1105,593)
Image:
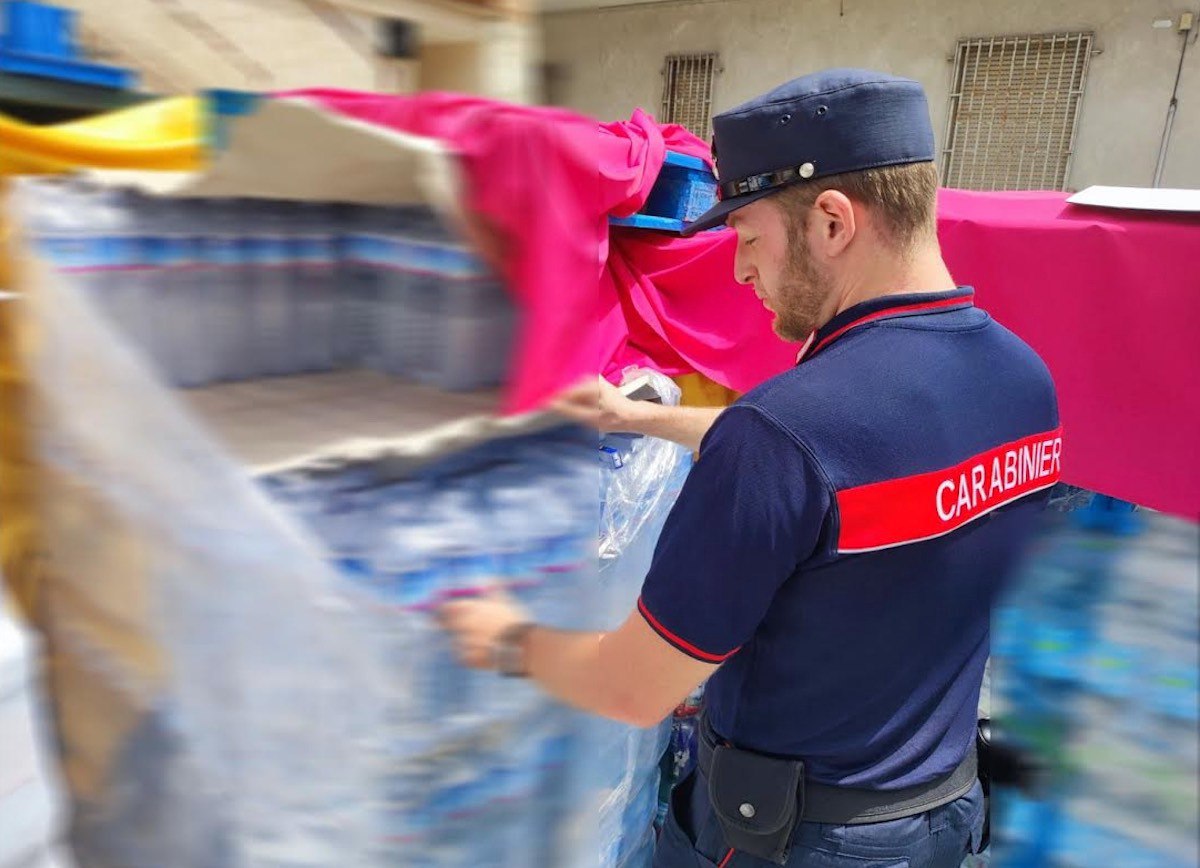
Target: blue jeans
(940,838)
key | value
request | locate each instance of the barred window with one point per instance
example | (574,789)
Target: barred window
(1014,111)
(688,90)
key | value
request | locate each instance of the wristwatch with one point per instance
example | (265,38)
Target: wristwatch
(509,654)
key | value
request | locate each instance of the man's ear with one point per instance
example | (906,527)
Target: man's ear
(835,222)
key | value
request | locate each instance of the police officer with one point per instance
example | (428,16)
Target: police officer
(832,560)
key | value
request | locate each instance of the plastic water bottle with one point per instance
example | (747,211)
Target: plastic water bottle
(324,274)
(571,591)
(464,567)
(272,294)
(403,562)
(71,223)
(191,325)
(558,787)
(685,732)
(345,277)
(510,535)
(195,295)
(129,286)
(161,257)
(349,526)
(429,301)
(226,290)
(77,224)
(40,213)
(458,819)
(313,262)
(360,275)
(400,332)
(241,221)
(171,260)
(537,520)
(518,827)
(477,320)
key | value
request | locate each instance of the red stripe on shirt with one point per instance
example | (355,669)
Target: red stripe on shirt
(916,508)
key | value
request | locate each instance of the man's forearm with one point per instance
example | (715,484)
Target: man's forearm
(573,668)
(684,425)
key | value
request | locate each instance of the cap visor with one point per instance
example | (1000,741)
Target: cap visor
(719,213)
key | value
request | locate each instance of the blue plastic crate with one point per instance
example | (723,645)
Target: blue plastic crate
(644,221)
(221,105)
(39,41)
(685,189)
(79,71)
(35,28)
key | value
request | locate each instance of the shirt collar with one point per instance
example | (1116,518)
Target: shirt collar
(884,307)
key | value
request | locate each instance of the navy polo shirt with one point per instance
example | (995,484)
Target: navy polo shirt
(839,544)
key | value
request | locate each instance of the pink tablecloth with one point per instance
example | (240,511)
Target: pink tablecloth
(1110,300)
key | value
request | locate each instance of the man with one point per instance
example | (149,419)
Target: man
(832,561)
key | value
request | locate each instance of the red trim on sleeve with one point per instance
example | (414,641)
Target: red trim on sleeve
(681,644)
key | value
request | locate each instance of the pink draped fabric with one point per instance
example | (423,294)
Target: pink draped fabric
(1111,300)
(545,181)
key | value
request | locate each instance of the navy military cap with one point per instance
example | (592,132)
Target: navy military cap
(827,123)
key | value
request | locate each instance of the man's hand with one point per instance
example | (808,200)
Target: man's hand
(600,404)
(476,626)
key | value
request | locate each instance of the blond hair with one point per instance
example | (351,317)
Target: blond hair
(903,197)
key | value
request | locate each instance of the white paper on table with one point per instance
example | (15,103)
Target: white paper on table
(1139,199)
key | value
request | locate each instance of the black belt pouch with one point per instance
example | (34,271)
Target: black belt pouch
(758,801)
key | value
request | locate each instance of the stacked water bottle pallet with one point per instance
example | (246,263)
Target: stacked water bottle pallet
(1096,658)
(216,291)
(640,479)
(244,614)
(475,763)
(274,688)
(441,766)
(469,763)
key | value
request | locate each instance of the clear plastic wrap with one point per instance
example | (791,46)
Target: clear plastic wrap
(210,709)
(642,491)
(640,479)
(31,797)
(235,685)
(1069,498)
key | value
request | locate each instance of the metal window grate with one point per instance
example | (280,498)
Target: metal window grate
(687,91)
(1014,111)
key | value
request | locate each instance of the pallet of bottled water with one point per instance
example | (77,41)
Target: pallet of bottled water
(249,643)
(228,290)
(480,770)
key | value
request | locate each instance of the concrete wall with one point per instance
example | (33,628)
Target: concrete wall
(612,61)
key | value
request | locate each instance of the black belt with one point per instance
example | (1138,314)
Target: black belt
(848,806)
